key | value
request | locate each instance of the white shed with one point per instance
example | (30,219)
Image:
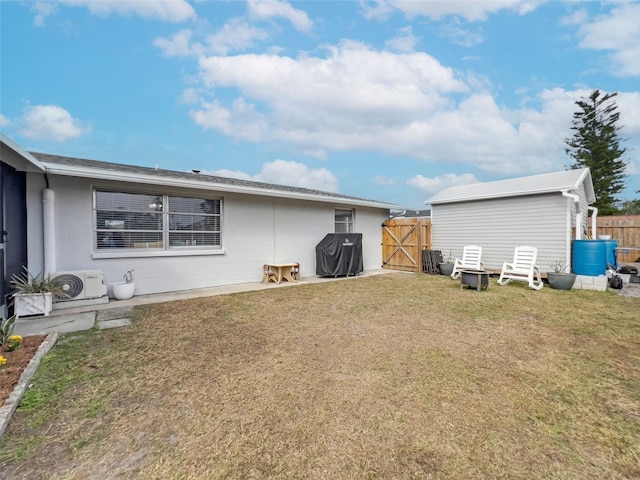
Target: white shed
(546,211)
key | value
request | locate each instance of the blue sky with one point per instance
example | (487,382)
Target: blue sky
(385,99)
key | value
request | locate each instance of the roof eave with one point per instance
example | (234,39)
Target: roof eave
(500,195)
(589,192)
(113,175)
(35,164)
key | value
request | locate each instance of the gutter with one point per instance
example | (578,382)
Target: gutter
(493,195)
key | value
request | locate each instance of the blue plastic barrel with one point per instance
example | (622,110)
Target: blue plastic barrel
(589,257)
(612,256)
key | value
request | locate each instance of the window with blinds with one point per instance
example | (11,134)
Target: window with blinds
(155,221)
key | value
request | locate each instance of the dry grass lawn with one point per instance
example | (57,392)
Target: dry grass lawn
(396,376)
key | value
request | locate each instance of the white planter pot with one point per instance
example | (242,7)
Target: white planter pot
(26,304)
(123,291)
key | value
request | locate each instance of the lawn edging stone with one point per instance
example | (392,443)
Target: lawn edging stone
(10,405)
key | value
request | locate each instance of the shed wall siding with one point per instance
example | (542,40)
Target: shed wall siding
(500,225)
(256,230)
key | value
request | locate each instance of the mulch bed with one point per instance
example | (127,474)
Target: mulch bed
(17,361)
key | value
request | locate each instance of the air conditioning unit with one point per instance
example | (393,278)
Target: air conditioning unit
(82,285)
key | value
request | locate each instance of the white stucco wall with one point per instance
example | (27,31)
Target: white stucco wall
(255,230)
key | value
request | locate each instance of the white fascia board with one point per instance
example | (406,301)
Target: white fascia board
(519,193)
(113,175)
(589,193)
(39,166)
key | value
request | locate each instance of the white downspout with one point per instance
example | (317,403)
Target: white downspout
(49,230)
(593,221)
(576,199)
(567,245)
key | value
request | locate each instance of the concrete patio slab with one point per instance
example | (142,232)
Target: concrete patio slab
(114,313)
(75,322)
(116,323)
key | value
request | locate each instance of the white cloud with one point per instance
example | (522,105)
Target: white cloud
(376,9)
(42,10)
(282,172)
(475,10)
(459,35)
(267,9)
(241,121)
(429,186)
(385,181)
(190,96)
(618,33)
(629,107)
(577,17)
(405,41)
(336,102)
(173,11)
(179,45)
(404,105)
(236,35)
(51,122)
(4,121)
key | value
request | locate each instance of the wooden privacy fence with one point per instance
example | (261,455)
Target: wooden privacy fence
(626,231)
(403,240)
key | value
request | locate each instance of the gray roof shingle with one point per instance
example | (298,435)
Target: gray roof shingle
(535,184)
(86,165)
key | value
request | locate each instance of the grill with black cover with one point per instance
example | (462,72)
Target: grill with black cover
(339,254)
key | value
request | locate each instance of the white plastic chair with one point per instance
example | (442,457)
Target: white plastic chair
(470,261)
(523,268)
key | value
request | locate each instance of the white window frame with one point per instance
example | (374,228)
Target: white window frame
(349,223)
(165,249)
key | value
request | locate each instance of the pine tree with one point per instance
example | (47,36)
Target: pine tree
(595,144)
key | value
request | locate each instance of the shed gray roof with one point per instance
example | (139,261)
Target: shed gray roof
(568,180)
(81,167)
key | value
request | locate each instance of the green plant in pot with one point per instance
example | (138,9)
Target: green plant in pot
(446,267)
(560,277)
(35,294)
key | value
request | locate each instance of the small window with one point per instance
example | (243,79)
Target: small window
(155,221)
(344,221)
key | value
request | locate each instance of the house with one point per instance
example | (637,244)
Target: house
(546,211)
(411,213)
(176,230)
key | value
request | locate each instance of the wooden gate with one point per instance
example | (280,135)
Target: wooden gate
(403,240)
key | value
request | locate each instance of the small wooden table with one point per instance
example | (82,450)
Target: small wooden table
(477,279)
(282,271)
